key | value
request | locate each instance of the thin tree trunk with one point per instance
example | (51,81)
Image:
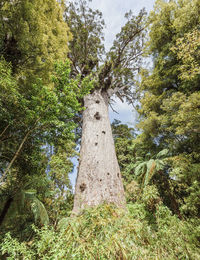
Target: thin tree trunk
(5,209)
(99,179)
(16,155)
(18,150)
(2,133)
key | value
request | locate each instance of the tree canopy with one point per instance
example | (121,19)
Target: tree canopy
(114,70)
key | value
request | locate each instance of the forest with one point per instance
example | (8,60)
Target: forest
(137,192)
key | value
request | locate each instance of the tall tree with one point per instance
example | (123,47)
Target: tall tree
(37,98)
(99,177)
(170,94)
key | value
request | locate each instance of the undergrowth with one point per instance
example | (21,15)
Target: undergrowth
(109,233)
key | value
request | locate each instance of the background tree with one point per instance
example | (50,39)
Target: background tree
(33,38)
(46,119)
(170,94)
(38,100)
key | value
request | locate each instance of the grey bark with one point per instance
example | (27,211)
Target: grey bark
(99,178)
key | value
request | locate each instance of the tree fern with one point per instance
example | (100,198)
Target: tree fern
(25,203)
(145,170)
(33,204)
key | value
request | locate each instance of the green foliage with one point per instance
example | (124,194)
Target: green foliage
(33,36)
(188,52)
(125,148)
(59,197)
(170,96)
(46,110)
(36,206)
(86,48)
(45,117)
(37,101)
(26,202)
(125,56)
(116,69)
(146,169)
(109,233)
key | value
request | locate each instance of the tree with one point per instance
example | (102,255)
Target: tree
(45,119)
(170,94)
(38,100)
(32,39)
(99,177)
(33,36)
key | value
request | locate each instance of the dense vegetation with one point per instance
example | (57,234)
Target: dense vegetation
(40,123)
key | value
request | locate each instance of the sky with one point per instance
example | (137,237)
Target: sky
(113,13)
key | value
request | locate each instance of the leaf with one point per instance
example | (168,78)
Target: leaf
(162,153)
(150,171)
(149,164)
(39,212)
(140,169)
(63,223)
(160,164)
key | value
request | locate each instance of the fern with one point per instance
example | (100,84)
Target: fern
(26,202)
(162,154)
(36,207)
(145,170)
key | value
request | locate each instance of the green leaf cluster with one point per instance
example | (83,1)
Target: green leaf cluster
(33,35)
(38,104)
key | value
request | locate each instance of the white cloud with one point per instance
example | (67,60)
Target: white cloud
(125,113)
(114,11)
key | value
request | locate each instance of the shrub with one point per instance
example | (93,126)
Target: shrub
(109,233)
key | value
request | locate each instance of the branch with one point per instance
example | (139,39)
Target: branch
(112,91)
(18,151)
(121,50)
(15,156)
(113,109)
(4,130)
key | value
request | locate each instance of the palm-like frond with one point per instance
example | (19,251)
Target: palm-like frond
(146,169)
(162,154)
(37,208)
(25,204)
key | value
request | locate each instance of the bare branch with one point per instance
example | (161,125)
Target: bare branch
(4,130)
(112,91)
(18,151)
(113,109)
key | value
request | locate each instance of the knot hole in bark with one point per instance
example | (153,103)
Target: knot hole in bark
(82,187)
(97,101)
(96,144)
(118,175)
(103,132)
(97,116)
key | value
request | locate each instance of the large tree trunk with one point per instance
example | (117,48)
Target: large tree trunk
(99,179)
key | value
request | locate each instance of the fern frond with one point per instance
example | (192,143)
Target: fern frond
(162,154)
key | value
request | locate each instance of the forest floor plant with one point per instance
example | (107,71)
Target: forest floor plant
(105,232)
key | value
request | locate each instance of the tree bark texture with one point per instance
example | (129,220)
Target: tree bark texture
(99,178)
